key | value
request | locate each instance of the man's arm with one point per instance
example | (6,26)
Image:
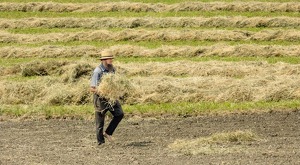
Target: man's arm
(94,80)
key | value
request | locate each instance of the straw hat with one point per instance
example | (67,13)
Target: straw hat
(106,55)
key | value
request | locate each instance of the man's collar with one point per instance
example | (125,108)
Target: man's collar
(102,67)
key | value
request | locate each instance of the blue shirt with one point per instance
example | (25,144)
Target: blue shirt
(97,74)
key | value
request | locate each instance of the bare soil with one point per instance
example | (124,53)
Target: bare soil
(146,140)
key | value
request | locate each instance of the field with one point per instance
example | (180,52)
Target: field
(220,62)
(152,141)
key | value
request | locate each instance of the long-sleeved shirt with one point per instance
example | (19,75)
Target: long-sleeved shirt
(97,74)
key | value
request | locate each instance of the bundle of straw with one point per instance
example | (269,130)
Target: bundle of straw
(113,87)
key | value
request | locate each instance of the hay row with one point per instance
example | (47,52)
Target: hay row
(155,89)
(49,51)
(214,88)
(153,35)
(210,68)
(45,91)
(222,50)
(109,22)
(205,81)
(72,71)
(151,7)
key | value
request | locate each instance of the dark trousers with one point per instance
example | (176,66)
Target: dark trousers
(101,107)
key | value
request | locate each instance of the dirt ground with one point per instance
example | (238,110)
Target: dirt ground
(145,141)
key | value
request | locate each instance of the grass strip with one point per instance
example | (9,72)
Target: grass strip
(151,44)
(150,110)
(49,14)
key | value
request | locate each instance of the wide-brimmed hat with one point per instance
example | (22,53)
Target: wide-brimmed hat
(106,55)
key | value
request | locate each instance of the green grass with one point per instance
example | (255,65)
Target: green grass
(155,110)
(47,14)
(145,1)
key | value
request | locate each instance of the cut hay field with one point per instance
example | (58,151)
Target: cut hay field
(202,56)
(211,82)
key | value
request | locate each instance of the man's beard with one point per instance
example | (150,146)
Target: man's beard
(110,67)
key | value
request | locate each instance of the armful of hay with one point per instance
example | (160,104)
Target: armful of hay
(113,87)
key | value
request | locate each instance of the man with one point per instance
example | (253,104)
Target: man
(101,104)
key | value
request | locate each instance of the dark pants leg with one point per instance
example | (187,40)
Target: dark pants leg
(101,107)
(99,118)
(118,115)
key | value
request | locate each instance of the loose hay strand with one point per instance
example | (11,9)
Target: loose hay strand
(215,143)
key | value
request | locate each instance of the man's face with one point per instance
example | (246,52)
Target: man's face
(109,61)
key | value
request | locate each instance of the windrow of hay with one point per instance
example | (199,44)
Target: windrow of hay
(146,22)
(182,81)
(114,86)
(154,35)
(39,68)
(216,143)
(154,89)
(49,51)
(77,71)
(65,93)
(151,7)
(223,50)
(19,92)
(72,71)
(214,88)
(45,90)
(210,68)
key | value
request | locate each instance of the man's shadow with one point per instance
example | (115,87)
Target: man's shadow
(140,144)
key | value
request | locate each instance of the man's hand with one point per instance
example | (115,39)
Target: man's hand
(93,89)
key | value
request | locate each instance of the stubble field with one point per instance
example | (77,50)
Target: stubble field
(199,69)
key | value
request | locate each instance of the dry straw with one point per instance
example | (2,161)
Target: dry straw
(192,22)
(224,50)
(61,94)
(113,87)
(154,35)
(151,7)
(39,68)
(215,143)
(182,81)
(19,92)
